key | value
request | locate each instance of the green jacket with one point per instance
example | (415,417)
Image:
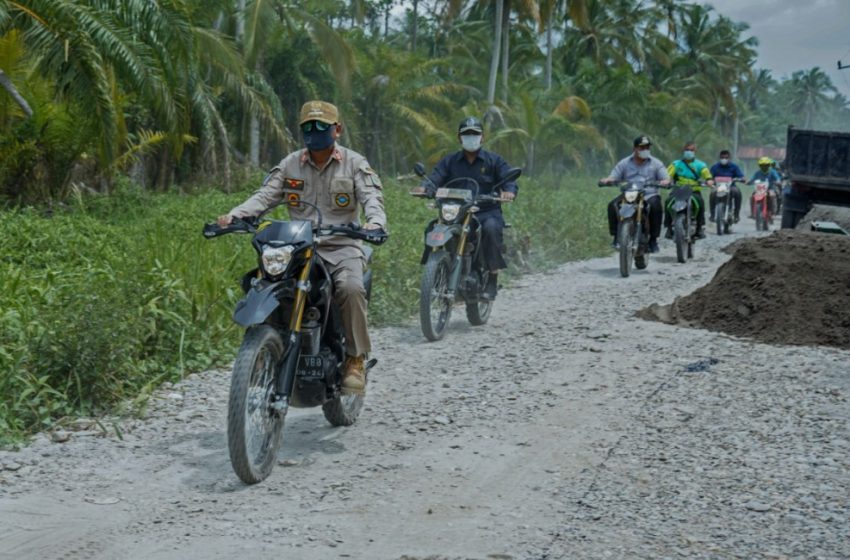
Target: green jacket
(680,173)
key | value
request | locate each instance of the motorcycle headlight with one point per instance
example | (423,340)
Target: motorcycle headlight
(450,211)
(630,196)
(276,259)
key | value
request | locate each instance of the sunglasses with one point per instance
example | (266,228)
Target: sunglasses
(317,125)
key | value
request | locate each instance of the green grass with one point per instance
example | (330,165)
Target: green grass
(103,301)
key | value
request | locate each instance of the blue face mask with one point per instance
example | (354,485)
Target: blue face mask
(318,139)
(688,154)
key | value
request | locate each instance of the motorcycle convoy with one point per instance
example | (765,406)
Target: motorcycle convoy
(633,217)
(293,349)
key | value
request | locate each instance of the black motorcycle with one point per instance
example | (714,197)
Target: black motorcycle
(724,204)
(454,267)
(683,206)
(633,230)
(294,346)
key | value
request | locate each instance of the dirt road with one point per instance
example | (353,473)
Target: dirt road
(565,428)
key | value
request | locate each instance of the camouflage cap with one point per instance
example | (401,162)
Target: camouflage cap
(319,111)
(642,140)
(470,123)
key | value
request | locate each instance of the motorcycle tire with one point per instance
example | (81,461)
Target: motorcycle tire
(626,248)
(761,222)
(435,309)
(680,238)
(253,430)
(720,217)
(343,410)
(478,312)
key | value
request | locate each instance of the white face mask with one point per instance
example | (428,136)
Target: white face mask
(471,142)
(643,154)
(724,161)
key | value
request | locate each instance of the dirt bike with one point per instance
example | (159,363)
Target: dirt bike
(724,205)
(454,268)
(633,229)
(760,204)
(683,205)
(294,343)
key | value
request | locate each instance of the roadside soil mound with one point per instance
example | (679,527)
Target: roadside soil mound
(792,287)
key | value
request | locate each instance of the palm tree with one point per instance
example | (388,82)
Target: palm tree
(809,91)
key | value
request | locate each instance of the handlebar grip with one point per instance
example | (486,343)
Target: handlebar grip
(212,230)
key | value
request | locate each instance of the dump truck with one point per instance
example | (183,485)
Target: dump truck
(817,169)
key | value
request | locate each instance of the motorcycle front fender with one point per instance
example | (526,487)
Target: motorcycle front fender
(627,211)
(680,206)
(256,306)
(440,234)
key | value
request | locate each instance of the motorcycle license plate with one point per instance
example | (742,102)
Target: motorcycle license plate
(311,367)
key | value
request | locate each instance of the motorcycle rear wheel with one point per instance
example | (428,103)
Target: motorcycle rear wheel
(680,239)
(343,410)
(253,429)
(435,307)
(478,312)
(626,248)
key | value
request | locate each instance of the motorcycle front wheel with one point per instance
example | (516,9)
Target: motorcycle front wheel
(761,221)
(720,218)
(478,311)
(253,428)
(435,306)
(680,238)
(626,248)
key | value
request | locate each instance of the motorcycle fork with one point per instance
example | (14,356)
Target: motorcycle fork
(461,247)
(289,363)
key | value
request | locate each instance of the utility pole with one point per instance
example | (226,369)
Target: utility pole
(842,67)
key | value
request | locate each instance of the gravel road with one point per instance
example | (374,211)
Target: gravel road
(565,428)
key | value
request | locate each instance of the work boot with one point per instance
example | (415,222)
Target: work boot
(653,245)
(700,234)
(669,233)
(354,377)
(615,244)
(492,287)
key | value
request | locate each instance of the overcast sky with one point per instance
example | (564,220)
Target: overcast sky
(797,34)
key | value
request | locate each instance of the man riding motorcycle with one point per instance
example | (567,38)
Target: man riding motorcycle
(767,172)
(640,167)
(725,167)
(689,171)
(487,169)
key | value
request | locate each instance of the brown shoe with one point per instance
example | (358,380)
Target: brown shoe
(354,378)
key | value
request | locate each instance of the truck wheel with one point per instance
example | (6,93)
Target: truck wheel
(790,218)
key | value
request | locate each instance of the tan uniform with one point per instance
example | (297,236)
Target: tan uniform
(339,189)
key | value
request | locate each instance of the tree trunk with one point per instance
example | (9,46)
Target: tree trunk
(549,55)
(494,60)
(506,48)
(13,91)
(415,25)
(735,131)
(255,141)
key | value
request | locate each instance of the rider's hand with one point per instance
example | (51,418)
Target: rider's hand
(664,183)
(507,196)
(225,220)
(606,181)
(371,226)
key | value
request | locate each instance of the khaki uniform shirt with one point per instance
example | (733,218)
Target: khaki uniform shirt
(339,189)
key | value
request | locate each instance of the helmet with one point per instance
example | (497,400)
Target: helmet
(765,161)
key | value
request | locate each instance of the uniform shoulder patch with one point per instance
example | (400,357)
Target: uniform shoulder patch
(295,184)
(372,178)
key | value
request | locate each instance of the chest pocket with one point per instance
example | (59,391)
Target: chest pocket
(342,194)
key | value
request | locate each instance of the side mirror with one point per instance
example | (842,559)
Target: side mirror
(512,175)
(419,169)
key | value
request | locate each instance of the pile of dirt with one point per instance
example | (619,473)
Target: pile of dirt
(792,287)
(819,213)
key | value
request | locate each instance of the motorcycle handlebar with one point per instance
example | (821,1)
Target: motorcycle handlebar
(249,225)
(355,231)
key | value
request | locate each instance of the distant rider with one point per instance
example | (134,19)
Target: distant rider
(693,172)
(487,169)
(767,172)
(725,167)
(641,168)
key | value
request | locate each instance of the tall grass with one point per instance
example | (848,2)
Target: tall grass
(105,300)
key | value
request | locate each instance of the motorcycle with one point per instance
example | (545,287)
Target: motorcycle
(760,204)
(683,205)
(633,230)
(294,343)
(724,206)
(454,268)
